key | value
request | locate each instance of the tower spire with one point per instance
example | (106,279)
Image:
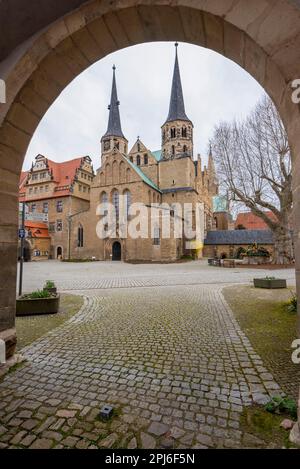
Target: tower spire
(177,108)
(114,128)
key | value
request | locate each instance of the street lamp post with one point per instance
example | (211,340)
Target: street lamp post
(22,249)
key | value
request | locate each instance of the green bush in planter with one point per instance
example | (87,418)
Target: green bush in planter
(49,284)
(37,295)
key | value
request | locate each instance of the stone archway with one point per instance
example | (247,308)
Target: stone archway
(42,55)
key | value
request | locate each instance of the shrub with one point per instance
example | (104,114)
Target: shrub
(292,304)
(39,294)
(282,405)
(49,284)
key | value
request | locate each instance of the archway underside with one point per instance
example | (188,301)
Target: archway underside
(263,37)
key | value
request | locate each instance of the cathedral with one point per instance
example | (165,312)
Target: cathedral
(171,176)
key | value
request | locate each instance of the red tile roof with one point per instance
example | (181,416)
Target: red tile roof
(252,222)
(63,175)
(38,230)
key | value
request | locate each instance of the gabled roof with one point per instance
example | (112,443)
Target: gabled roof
(145,178)
(244,237)
(253,222)
(177,108)
(135,149)
(114,128)
(63,175)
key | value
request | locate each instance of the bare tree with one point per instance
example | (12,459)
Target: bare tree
(253,161)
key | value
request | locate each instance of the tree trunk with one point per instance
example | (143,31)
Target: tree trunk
(283,245)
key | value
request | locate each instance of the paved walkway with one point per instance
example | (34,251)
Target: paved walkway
(173,362)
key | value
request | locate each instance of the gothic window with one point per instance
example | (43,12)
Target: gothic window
(184,132)
(146,161)
(104,200)
(173,133)
(116,202)
(80,237)
(128,201)
(115,172)
(138,160)
(156,240)
(128,175)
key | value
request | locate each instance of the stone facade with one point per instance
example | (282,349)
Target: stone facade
(58,191)
(168,176)
(165,177)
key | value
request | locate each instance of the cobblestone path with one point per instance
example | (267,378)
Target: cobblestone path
(173,362)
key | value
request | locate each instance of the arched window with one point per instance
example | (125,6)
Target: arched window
(184,149)
(122,175)
(184,132)
(173,133)
(80,237)
(131,159)
(104,202)
(138,160)
(116,202)
(146,160)
(128,175)
(173,150)
(128,201)
(115,175)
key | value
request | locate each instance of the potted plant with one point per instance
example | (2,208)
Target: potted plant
(38,302)
(270,283)
(50,287)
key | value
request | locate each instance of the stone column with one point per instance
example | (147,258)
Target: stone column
(8,254)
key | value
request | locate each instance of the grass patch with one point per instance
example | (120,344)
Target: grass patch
(271,328)
(265,426)
(32,328)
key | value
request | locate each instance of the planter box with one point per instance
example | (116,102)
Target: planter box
(258,260)
(51,290)
(27,307)
(270,284)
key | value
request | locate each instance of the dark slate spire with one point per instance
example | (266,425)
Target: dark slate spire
(114,122)
(177,109)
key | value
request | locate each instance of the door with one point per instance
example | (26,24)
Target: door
(117,251)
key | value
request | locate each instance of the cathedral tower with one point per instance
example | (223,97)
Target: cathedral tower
(177,131)
(114,137)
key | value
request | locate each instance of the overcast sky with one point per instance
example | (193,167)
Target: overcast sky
(214,88)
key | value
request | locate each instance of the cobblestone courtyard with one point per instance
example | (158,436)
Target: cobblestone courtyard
(170,358)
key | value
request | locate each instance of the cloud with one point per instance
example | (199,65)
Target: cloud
(214,88)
